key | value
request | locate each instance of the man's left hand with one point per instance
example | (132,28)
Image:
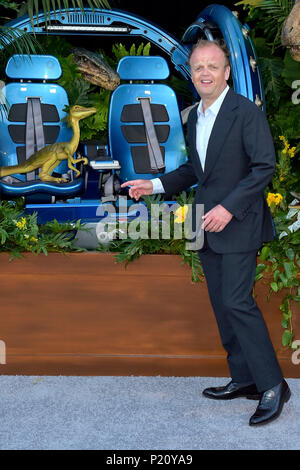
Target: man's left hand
(216,219)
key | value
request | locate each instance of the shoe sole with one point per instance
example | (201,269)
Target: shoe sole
(272,418)
(249,397)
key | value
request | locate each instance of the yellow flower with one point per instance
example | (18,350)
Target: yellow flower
(292,152)
(180,214)
(33,239)
(21,224)
(274,197)
(287,149)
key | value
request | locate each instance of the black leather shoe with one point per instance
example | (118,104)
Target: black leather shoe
(233,390)
(271,404)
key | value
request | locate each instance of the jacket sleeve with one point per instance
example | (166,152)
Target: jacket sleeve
(180,179)
(259,149)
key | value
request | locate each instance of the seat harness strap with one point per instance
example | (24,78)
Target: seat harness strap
(34,131)
(155,155)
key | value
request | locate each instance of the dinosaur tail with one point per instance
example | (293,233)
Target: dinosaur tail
(10,170)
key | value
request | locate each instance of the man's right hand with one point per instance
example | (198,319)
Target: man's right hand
(138,188)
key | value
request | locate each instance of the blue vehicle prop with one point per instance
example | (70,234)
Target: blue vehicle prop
(127,154)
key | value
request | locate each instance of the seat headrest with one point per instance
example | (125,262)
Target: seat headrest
(35,66)
(143,68)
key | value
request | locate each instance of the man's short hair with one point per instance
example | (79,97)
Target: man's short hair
(221,44)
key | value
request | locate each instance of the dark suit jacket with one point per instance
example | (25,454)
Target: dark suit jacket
(240,162)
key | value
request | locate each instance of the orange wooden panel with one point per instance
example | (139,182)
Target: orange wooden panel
(83,314)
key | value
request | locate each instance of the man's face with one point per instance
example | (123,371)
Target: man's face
(209,71)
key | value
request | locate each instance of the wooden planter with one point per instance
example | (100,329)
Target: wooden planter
(84,314)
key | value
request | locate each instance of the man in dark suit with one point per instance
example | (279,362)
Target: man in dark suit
(232,160)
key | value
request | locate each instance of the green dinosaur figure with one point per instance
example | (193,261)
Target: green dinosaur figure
(50,156)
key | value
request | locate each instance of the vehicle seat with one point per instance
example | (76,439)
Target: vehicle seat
(145,128)
(34,120)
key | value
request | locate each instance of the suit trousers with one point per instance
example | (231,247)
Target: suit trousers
(244,335)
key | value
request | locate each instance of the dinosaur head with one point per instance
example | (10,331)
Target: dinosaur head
(77,113)
(290,34)
(95,70)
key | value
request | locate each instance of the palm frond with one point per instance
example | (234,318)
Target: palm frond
(35,6)
(251,3)
(19,41)
(272,16)
(271,6)
(272,68)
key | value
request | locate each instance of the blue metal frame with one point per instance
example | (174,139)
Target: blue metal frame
(246,81)
(137,26)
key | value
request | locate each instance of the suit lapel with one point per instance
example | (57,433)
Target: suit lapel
(223,123)
(195,155)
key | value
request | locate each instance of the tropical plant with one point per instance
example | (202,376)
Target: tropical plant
(280,259)
(171,236)
(21,232)
(16,39)
(283,254)
(269,15)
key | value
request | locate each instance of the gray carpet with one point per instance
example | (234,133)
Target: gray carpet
(117,413)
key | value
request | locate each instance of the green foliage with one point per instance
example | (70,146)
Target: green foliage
(9,5)
(55,45)
(284,178)
(130,248)
(286,122)
(14,40)
(283,261)
(120,51)
(269,16)
(20,232)
(283,253)
(272,68)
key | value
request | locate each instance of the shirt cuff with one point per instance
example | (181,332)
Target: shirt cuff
(157,186)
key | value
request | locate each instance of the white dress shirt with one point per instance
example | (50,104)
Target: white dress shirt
(204,125)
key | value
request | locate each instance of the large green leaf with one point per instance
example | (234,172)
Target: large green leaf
(272,68)
(17,40)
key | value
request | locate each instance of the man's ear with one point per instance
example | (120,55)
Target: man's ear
(227,72)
